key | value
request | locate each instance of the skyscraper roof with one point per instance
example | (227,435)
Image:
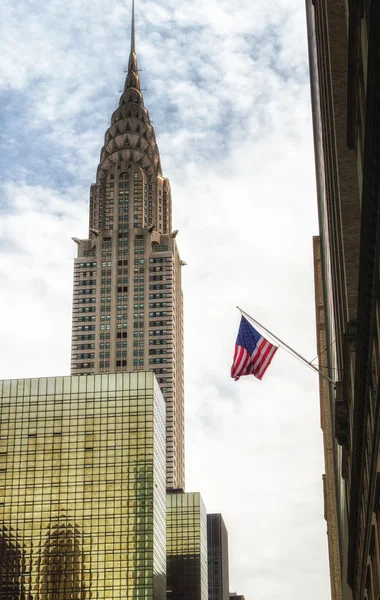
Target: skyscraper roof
(131,136)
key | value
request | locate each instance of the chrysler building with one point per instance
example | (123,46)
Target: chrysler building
(127,307)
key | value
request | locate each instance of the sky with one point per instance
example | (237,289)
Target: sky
(227,87)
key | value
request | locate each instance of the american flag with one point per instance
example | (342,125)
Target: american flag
(253,353)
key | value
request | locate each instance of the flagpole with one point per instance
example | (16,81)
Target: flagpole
(286,347)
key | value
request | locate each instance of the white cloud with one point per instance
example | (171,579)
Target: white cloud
(228,93)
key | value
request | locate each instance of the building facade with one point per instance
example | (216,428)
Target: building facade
(82,488)
(186,546)
(127,306)
(217,554)
(336,523)
(344,50)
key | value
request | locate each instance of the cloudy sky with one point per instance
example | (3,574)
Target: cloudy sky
(226,84)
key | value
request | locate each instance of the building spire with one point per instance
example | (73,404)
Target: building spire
(132,80)
(133,49)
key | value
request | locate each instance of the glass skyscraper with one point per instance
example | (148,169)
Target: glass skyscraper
(186,546)
(217,547)
(82,488)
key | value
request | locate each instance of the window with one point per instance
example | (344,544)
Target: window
(121,363)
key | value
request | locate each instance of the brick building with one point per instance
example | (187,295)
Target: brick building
(344,51)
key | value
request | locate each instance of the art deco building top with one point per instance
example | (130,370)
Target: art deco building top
(131,135)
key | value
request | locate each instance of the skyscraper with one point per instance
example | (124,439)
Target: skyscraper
(217,553)
(82,488)
(127,307)
(186,546)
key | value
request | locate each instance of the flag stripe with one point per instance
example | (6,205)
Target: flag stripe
(265,348)
(267,362)
(241,360)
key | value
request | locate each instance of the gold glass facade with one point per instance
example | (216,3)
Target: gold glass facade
(82,488)
(186,546)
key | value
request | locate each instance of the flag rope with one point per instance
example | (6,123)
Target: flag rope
(287,348)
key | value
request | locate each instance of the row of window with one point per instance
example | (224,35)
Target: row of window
(120,335)
(86,301)
(159,361)
(85,319)
(160,259)
(107,282)
(160,295)
(85,346)
(85,282)
(86,265)
(159,331)
(158,305)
